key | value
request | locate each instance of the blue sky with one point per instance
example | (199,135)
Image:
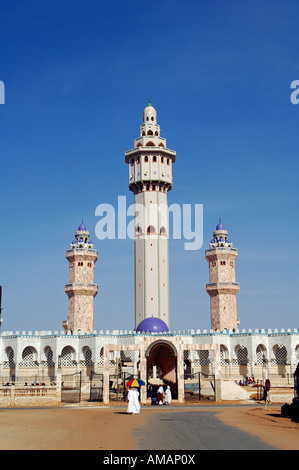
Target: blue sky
(77,76)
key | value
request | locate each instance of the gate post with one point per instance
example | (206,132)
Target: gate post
(12,395)
(180,375)
(106,376)
(80,385)
(217,373)
(58,385)
(143,390)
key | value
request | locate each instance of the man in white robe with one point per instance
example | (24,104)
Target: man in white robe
(133,405)
(168,396)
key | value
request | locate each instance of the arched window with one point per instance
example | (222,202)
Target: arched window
(9,358)
(149,132)
(68,357)
(150,144)
(242,355)
(151,230)
(203,358)
(223,354)
(49,357)
(161,145)
(138,230)
(154,158)
(87,354)
(260,354)
(163,231)
(152,118)
(29,357)
(146,158)
(280,354)
(132,161)
(101,361)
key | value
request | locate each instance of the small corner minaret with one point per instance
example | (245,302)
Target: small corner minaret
(223,287)
(81,288)
(150,179)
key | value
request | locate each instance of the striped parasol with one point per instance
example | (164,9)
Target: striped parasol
(135,383)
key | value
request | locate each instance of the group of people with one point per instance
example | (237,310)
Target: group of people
(158,396)
(247,381)
(163,397)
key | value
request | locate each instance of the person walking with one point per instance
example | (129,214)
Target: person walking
(133,402)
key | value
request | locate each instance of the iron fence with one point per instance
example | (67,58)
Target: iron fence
(96,386)
(71,388)
(198,385)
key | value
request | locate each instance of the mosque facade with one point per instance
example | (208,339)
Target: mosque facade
(150,351)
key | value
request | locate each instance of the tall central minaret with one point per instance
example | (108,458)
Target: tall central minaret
(150,179)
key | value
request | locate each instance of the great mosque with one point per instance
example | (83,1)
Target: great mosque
(151,351)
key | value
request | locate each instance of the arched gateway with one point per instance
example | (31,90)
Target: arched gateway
(168,354)
(162,356)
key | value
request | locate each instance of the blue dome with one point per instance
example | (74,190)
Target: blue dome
(152,325)
(82,228)
(221,239)
(74,242)
(228,241)
(90,242)
(81,240)
(220,226)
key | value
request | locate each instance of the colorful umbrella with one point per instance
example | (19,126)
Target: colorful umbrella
(135,383)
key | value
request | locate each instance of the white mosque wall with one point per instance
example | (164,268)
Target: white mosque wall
(258,353)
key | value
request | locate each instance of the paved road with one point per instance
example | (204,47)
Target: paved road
(198,430)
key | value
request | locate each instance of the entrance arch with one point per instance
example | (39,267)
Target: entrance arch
(163,355)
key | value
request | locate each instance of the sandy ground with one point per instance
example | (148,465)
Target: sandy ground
(268,425)
(110,428)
